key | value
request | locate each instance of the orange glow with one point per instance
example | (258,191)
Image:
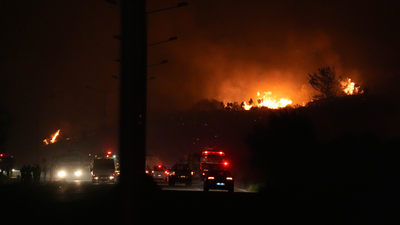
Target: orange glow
(52,139)
(229,178)
(210,178)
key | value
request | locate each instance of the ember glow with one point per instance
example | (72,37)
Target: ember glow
(52,139)
(267,100)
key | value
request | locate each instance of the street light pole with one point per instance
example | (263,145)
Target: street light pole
(133,106)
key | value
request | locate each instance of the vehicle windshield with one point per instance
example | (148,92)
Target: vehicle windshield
(219,173)
(104,164)
(212,159)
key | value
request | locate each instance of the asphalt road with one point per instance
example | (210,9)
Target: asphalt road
(197,185)
(82,202)
(78,201)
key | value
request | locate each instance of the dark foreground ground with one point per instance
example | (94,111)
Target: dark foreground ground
(54,203)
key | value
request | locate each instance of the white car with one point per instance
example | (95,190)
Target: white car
(159,173)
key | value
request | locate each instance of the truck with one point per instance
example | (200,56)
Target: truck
(193,160)
(71,166)
(103,170)
(7,162)
(212,159)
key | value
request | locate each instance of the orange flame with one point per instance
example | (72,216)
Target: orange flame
(268,101)
(350,88)
(52,139)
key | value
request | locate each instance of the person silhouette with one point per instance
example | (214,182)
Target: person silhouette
(51,171)
(36,173)
(28,177)
(44,172)
(23,173)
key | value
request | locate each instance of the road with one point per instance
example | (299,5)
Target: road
(82,202)
(78,201)
(196,186)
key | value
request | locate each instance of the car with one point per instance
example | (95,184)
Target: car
(159,173)
(180,173)
(219,179)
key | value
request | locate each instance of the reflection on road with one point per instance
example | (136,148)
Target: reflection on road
(196,186)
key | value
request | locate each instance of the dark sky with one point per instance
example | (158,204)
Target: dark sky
(226,50)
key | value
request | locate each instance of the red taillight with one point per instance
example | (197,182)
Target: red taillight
(152,171)
(229,178)
(225,163)
(166,172)
(93,175)
(147,171)
(210,178)
(191,173)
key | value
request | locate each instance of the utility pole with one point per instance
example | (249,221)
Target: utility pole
(133,106)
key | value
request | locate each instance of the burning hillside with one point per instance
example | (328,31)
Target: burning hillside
(268,100)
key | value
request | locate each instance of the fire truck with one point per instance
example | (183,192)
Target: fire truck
(7,162)
(212,160)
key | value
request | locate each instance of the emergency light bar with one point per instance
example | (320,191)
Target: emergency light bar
(213,153)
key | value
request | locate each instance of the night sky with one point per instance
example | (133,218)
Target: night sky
(226,50)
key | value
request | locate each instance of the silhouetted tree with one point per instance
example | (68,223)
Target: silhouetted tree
(325,82)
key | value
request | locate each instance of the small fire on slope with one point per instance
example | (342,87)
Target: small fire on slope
(350,88)
(52,139)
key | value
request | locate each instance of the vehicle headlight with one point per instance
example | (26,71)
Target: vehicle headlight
(62,174)
(78,173)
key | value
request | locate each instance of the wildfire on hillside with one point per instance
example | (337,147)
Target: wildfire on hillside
(267,100)
(52,139)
